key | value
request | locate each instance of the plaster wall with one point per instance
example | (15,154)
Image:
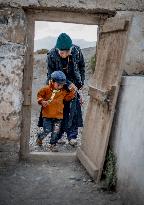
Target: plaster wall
(128,139)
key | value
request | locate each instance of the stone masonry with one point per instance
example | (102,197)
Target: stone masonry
(12,50)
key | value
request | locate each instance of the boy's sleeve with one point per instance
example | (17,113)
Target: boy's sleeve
(70,95)
(41,95)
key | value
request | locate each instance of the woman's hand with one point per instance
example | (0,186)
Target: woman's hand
(72,87)
(44,103)
(81,100)
(80,86)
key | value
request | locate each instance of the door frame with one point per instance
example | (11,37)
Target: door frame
(33,15)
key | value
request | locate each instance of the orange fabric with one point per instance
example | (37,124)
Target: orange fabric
(54,108)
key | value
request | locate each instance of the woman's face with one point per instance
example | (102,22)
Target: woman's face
(64,53)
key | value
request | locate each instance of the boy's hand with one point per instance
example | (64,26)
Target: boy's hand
(44,103)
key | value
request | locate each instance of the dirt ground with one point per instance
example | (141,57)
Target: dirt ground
(53,184)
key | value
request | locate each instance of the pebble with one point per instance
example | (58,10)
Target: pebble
(84,180)
(90,180)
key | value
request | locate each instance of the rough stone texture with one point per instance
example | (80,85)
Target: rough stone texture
(12,25)
(83,5)
(12,50)
(128,140)
(135,50)
(134,58)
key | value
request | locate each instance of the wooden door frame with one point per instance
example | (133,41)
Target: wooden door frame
(54,16)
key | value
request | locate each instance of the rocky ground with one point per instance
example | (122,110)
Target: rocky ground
(53,184)
(39,78)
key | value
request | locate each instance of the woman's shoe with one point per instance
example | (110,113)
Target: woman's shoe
(72,142)
(53,148)
(61,141)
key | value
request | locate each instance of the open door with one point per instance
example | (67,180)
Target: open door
(103,91)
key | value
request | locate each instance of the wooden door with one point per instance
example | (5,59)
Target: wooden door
(103,91)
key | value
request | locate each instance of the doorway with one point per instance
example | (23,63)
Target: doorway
(46,34)
(51,16)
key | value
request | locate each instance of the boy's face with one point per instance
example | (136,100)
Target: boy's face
(57,86)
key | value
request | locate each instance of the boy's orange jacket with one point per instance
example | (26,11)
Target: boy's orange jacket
(55,107)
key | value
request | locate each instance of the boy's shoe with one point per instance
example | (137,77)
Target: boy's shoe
(39,142)
(72,142)
(53,148)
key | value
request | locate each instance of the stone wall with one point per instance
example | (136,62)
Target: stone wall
(79,5)
(135,49)
(12,50)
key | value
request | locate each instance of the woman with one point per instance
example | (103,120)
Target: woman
(68,58)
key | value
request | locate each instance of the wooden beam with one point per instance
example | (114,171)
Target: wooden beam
(98,94)
(112,26)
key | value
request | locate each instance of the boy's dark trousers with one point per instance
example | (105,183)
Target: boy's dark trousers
(50,125)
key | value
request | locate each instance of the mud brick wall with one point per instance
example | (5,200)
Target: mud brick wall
(12,51)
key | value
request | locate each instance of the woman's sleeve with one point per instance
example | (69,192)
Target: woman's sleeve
(81,66)
(50,67)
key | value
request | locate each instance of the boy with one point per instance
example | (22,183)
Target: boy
(51,98)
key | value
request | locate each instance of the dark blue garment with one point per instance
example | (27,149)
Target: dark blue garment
(73,66)
(75,113)
(72,118)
